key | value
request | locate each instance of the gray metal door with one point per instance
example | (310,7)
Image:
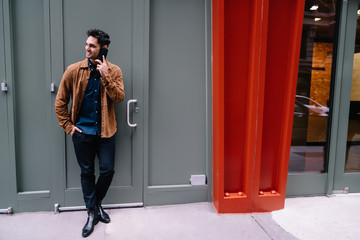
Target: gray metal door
(6,200)
(39,39)
(27,118)
(125,23)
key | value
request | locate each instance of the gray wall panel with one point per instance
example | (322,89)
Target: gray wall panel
(177,114)
(32,147)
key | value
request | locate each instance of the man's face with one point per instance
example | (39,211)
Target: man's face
(92,47)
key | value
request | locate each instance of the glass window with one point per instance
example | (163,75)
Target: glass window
(352,162)
(309,142)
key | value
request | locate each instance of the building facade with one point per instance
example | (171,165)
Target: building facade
(239,103)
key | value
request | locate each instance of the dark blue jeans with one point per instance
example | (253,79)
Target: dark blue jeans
(86,148)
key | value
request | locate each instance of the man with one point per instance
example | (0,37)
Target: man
(94,86)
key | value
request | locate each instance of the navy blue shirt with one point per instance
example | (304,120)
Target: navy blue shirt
(89,120)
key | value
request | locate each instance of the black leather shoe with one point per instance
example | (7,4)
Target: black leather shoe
(103,216)
(93,219)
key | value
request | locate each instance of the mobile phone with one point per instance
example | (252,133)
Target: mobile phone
(103,51)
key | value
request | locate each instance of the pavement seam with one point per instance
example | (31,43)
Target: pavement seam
(252,216)
(107,236)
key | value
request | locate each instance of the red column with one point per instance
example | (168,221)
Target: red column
(285,20)
(255,59)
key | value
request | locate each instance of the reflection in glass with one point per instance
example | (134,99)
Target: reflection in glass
(311,114)
(352,162)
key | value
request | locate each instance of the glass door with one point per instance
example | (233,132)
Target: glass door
(347,168)
(308,164)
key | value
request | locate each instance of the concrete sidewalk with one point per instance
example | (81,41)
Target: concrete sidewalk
(304,218)
(330,218)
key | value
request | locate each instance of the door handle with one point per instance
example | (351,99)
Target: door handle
(128,112)
(52,87)
(4,87)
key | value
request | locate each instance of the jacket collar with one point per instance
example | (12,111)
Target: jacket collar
(85,64)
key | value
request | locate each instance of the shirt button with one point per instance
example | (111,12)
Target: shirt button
(95,101)
(95,90)
(97,123)
(96,111)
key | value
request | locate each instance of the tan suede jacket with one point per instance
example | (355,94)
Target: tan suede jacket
(74,83)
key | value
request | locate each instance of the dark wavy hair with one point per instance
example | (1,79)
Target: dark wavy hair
(102,37)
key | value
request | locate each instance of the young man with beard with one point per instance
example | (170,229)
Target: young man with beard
(94,85)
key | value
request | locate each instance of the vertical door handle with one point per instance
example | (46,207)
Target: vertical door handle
(128,113)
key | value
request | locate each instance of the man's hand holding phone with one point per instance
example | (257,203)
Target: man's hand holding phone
(102,67)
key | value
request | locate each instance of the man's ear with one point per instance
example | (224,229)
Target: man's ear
(105,46)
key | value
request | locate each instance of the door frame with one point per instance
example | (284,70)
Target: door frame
(345,182)
(309,184)
(334,180)
(64,198)
(8,167)
(151,195)
(28,200)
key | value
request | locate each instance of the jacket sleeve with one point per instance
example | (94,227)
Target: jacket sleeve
(114,85)
(62,101)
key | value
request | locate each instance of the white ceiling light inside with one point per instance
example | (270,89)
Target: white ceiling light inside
(314,7)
